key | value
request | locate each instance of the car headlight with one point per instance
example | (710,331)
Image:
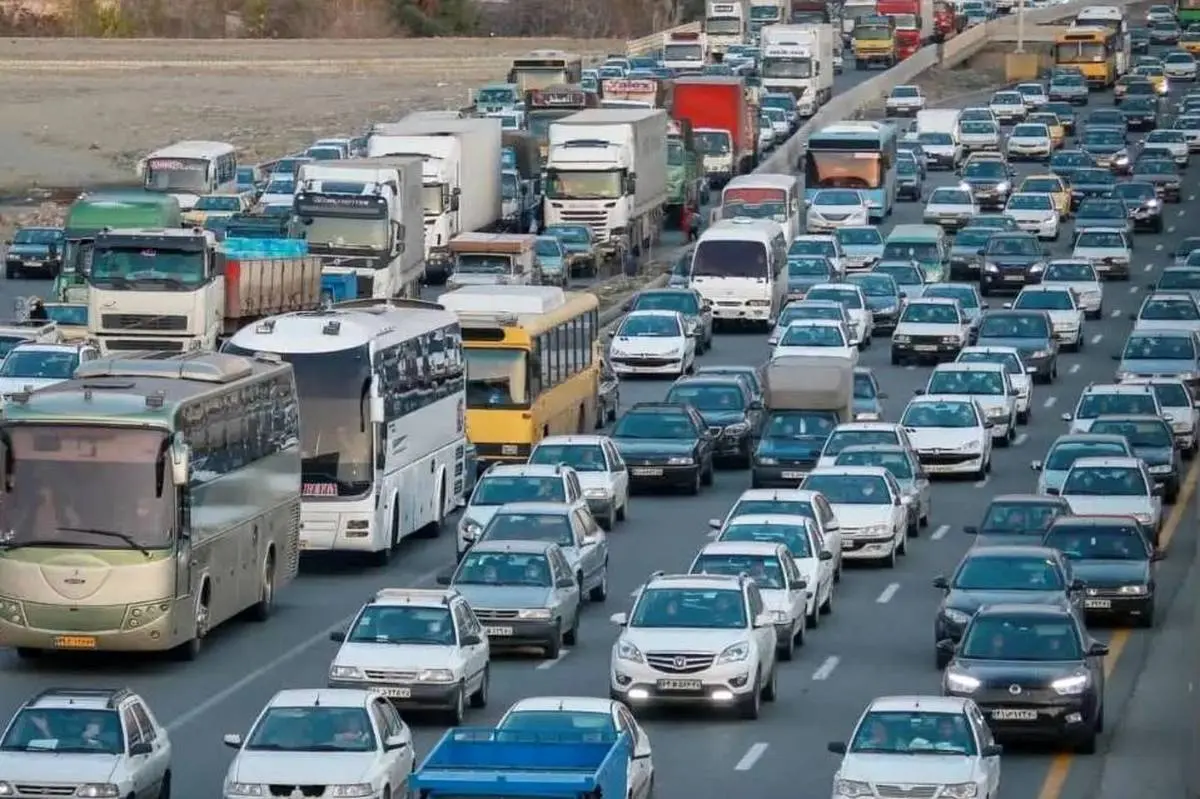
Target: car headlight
(1121,158)
(1071,686)
(627,651)
(971,446)
(779,616)
(735,653)
(1003,186)
(878,529)
(1162,468)
(534,614)
(991,269)
(962,683)
(1041,354)
(767,461)
(951,339)
(349,790)
(960,790)
(901,339)
(346,673)
(244,789)
(1038,267)
(736,429)
(470,529)
(956,616)
(597,493)
(1134,590)
(681,460)
(97,790)
(852,788)
(435,675)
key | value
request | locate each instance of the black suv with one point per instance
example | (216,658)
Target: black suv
(665,445)
(1145,209)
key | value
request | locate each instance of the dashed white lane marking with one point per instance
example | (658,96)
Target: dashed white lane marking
(751,757)
(885,596)
(1073,369)
(826,668)
(1020,439)
(1115,313)
(1157,248)
(1134,289)
(983,483)
(1171,229)
(940,533)
(1191,197)
(549,664)
(1149,268)
(1049,403)
(910,367)
(1180,213)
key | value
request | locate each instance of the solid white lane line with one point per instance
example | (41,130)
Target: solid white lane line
(1020,439)
(751,757)
(1049,403)
(940,533)
(1074,368)
(885,596)
(982,483)
(826,668)
(549,664)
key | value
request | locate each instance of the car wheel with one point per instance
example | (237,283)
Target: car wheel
(751,705)
(787,649)
(770,691)
(479,699)
(600,592)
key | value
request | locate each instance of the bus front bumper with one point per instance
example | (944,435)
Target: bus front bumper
(139,627)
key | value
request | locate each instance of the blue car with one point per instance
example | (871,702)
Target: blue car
(552,261)
(34,249)
(580,246)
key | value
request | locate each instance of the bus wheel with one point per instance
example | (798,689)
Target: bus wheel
(191,649)
(384,556)
(261,610)
(434,528)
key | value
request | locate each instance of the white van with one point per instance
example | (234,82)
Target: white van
(190,169)
(938,132)
(765,196)
(740,267)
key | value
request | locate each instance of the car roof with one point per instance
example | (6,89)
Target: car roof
(514,546)
(525,470)
(1028,499)
(933,704)
(321,697)
(1011,551)
(1107,461)
(578,704)
(969,366)
(851,471)
(1025,609)
(578,438)
(764,548)
(1095,520)
(536,508)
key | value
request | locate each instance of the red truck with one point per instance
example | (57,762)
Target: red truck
(809,12)
(724,123)
(945,20)
(914,24)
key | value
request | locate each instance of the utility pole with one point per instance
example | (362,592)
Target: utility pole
(1020,26)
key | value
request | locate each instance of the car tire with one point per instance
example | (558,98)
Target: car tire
(600,592)
(457,712)
(553,647)
(787,650)
(693,488)
(826,608)
(708,474)
(622,513)
(770,691)
(889,562)
(750,708)
(1087,744)
(479,699)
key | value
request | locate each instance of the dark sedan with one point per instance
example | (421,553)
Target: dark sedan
(1141,113)
(990,182)
(1115,561)
(1031,332)
(1152,441)
(1011,261)
(1145,209)
(1017,519)
(1034,671)
(665,445)
(727,406)
(1065,163)
(1091,182)
(1161,172)
(1031,575)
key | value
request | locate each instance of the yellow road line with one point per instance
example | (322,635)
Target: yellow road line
(1060,766)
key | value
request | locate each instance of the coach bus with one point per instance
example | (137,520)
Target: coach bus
(382,418)
(1093,51)
(146,500)
(542,69)
(533,365)
(189,169)
(1115,19)
(854,155)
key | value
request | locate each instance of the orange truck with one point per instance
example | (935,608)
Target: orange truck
(914,20)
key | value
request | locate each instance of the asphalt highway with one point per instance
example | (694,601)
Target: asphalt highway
(878,641)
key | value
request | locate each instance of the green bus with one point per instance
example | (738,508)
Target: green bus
(1188,12)
(146,500)
(925,244)
(90,214)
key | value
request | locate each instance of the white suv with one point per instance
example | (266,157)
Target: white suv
(515,482)
(421,648)
(699,639)
(85,742)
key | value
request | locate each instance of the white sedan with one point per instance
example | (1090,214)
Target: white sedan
(1034,94)
(652,343)
(1008,106)
(951,207)
(858,310)
(904,101)
(1018,374)
(1172,141)
(600,468)
(1030,140)
(1034,213)
(950,434)
(988,385)
(1080,277)
(820,337)
(1180,65)
(1066,317)
(870,507)
(830,209)
(979,134)
(945,744)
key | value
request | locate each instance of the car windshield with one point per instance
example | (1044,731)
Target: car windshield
(403,624)
(1174,309)
(530,569)
(1099,542)
(964,381)
(1165,137)
(950,197)
(708,397)
(984,572)
(1030,132)
(65,730)
(500,489)
(860,237)
(847,489)
(917,732)
(848,298)
(552,527)
(1102,209)
(1045,301)
(858,438)
(1101,239)
(1020,517)
(1105,481)
(1172,395)
(812,247)
(1103,138)
(930,313)
(1148,433)
(594,725)
(650,325)
(1094,177)
(940,414)
(1180,280)
(809,267)
(805,310)
(1106,403)
(707,609)
(965,295)
(580,457)
(1155,347)
(837,197)
(685,302)
(312,729)
(1007,98)
(895,462)
(1063,456)
(1014,246)
(1025,638)
(1031,202)
(1070,273)
(903,275)
(570,234)
(1136,192)
(975,238)
(40,364)
(979,128)
(1075,158)
(1154,166)
(803,334)
(933,139)
(875,285)
(1008,360)
(767,571)
(1013,326)
(793,536)
(654,424)
(985,170)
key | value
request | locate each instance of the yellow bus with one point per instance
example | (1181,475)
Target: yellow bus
(533,365)
(1093,51)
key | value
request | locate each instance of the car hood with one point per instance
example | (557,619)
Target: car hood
(1109,506)
(645,345)
(851,516)
(1111,573)
(1117,222)
(1029,141)
(1051,479)
(505,597)
(926,329)
(993,671)
(863,250)
(1155,177)
(940,769)
(951,439)
(948,209)
(880,303)
(1059,318)
(1024,345)
(1012,261)
(643,447)
(804,283)
(659,639)
(1155,456)
(1103,149)
(480,514)
(392,656)
(971,601)
(11,385)
(962,252)
(301,768)
(984,183)
(77,767)
(1030,214)
(1085,187)
(1149,367)
(722,418)
(1081,287)
(1100,253)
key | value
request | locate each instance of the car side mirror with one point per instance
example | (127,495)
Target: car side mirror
(918,391)
(993,750)
(619,619)
(946,646)
(1066,417)
(1012,392)
(566,582)
(233,741)
(444,577)
(338,636)
(825,555)
(612,334)
(140,748)
(1007,306)
(1054,492)
(800,585)
(971,529)
(394,742)
(1097,649)
(714,524)
(837,747)
(881,395)
(471,639)
(1036,466)
(940,582)
(1115,357)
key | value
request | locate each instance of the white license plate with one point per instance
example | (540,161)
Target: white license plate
(793,475)
(396,693)
(1097,604)
(847,544)
(33,263)
(305,543)
(1014,714)
(644,472)
(925,348)
(1014,278)
(680,685)
(499,631)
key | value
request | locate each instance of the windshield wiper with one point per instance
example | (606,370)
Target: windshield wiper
(128,539)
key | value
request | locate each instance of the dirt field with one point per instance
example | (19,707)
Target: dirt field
(80,112)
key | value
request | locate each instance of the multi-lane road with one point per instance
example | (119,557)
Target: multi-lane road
(878,641)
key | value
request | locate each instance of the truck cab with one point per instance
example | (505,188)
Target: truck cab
(874,42)
(497,97)
(500,259)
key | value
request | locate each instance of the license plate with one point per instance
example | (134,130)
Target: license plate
(680,685)
(33,263)
(501,632)
(847,543)
(1097,604)
(1014,278)
(1014,714)
(644,472)
(925,348)
(75,642)
(793,475)
(396,693)
(305,543)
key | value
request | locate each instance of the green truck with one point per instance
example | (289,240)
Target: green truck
(686,184)
(92,213)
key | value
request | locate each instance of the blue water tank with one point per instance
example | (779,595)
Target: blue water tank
(339,287)
(238,247)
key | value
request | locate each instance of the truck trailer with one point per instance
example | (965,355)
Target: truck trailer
(723,123)
(799,59)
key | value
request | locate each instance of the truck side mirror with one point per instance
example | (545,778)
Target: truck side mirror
(181,457)
(454,202)
(631,184)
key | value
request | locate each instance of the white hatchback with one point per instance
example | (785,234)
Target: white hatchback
(830,209)
(1030,140)
(600,468)
(870,508)
(1059,303)
(820,337)
(1080,277)
(1034,213)
(652,343)
(1018,375)
(988,385)
(1008,106)
(951,434)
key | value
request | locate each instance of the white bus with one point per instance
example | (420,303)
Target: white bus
(765,196)
(188,170)
(1115,19)
(382,418)
(739,265)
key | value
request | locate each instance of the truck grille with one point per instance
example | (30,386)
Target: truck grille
(137,321)
(134,344)
(679,662)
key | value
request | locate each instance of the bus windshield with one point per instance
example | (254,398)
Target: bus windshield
(834,170)
(86,486)
(730,258)
(1079,53)
(177,174)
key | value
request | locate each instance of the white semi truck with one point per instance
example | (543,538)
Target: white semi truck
(799,59)
(767,12)
(607,169)
(363,217)
(726,22)
(462,164)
